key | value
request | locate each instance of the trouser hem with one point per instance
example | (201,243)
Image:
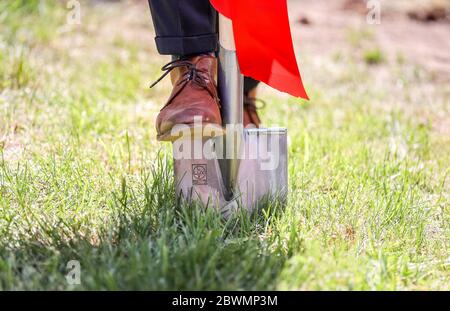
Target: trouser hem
(182,46)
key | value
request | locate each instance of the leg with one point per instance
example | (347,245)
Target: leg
(184,27)
(250,85)
(251,117)
(187,30)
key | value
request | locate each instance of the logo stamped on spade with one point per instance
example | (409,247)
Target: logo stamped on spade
(199,174)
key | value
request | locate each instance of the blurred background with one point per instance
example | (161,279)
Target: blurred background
(401,59)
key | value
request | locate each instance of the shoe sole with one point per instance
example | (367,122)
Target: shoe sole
(207,130)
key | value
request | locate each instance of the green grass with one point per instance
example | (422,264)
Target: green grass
(373,57)
(82,177)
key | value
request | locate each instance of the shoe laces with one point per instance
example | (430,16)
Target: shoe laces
(250,103)
(197,76)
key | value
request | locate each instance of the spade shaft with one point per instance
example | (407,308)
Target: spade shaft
(230,85)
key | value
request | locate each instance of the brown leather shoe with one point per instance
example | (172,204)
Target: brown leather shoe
(250,111)
(194,95)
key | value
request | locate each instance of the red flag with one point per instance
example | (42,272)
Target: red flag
(263,42)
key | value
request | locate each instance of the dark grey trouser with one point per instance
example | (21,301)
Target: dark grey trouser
(186,27)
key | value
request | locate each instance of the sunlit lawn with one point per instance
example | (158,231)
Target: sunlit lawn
(83,178)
